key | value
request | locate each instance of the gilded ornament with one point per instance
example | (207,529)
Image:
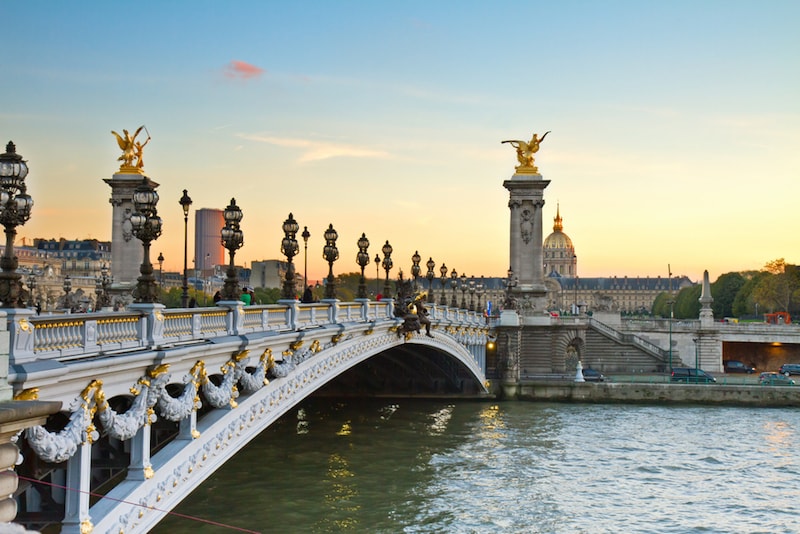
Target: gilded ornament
(27,394)
(148,472)
(525,152)
(131,150)
(24,325)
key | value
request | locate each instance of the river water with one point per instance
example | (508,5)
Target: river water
(412,466)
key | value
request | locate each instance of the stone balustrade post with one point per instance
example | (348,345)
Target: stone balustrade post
(292,309)
(16,344)
(364,309)
(153,327)
(333,310)
(235,319)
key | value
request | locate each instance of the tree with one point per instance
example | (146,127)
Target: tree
(744,304)
(687,303)
(724,292)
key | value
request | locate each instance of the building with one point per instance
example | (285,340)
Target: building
(567,291)
(208,249)
(74,257)
(269,273)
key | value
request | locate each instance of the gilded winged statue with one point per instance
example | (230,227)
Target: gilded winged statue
(131,149)
(525,152)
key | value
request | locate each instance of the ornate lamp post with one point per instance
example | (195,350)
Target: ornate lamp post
(160,261)
(430,275)
(464,288)
(185,203)
(443,280)
(232,239)
(454,286)
(377,274)
(101,284)
(387,264)
(31,289)
(471,294)
(415,269)
(331,254)
(146,225)
(479,291)
(67,288)
(305,235)
(289,248)
(15,210)
(362,259)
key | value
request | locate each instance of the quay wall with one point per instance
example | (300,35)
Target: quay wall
(715,394)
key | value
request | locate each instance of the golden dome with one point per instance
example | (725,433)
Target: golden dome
(558,239)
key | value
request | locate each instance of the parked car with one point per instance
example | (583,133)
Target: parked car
(591,375)
(735,366)
(691,375)
(790,369)
(774,379)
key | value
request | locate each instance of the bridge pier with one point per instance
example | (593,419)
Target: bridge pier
(76,503)
(140,467)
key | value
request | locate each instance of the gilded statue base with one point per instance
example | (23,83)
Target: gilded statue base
(130,169)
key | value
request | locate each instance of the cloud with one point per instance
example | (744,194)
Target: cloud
(242,71)
(319,150)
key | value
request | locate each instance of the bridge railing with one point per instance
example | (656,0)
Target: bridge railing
(147,325)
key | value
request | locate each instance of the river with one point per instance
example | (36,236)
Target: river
(414,466)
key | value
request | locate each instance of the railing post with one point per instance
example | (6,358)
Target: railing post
(235,318)
(153,313)
(18,344)
(90,335)
(140,467)
(76,501)
(364,309)
(333,310)
(292,309)
(389,308)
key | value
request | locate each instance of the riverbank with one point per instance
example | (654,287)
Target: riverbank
(644,392)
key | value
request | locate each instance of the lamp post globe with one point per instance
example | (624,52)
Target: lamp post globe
(146,226)
(362,259)
(443,281)
(15,210)
(464,287)
(430,275)
(331,254)
(232,239)
(305,235)
(185,203)
(289,248)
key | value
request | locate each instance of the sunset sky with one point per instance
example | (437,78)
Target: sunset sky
(675,125)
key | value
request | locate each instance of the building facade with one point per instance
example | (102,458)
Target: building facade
(208,249)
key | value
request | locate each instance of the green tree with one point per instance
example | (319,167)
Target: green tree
(724,292)
(743,303)
(687,303)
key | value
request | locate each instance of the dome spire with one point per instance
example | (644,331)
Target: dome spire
(557,226)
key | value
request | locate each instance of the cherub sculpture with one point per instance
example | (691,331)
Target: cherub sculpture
(525,152)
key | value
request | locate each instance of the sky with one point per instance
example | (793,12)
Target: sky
(674,125)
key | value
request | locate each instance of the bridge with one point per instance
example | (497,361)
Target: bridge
(154,400)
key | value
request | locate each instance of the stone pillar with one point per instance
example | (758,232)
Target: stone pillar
(16,416)
(76,506)
(526,200)
(140,467)
(706,313)
(126,250)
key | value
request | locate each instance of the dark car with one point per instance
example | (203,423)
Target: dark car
(774,379)
(591,375)
(790,369)
(735,366)
(691,375)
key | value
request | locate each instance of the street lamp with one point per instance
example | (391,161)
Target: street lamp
(185,202)
(453,286)
(430,275)
(306,234)
(471,294)
(479,288)
(146,226)
(31,289)
(160,269)
(101,288)
(362,259)
(289,248)
(377,274)
(463,291)
(415,259)
(387,264)
(331,254)
(232,239)
(15,210)
(67,288)
(443,280)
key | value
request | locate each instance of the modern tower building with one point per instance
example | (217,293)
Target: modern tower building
(208,249)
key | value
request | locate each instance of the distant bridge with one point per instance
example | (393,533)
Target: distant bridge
(158,399)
